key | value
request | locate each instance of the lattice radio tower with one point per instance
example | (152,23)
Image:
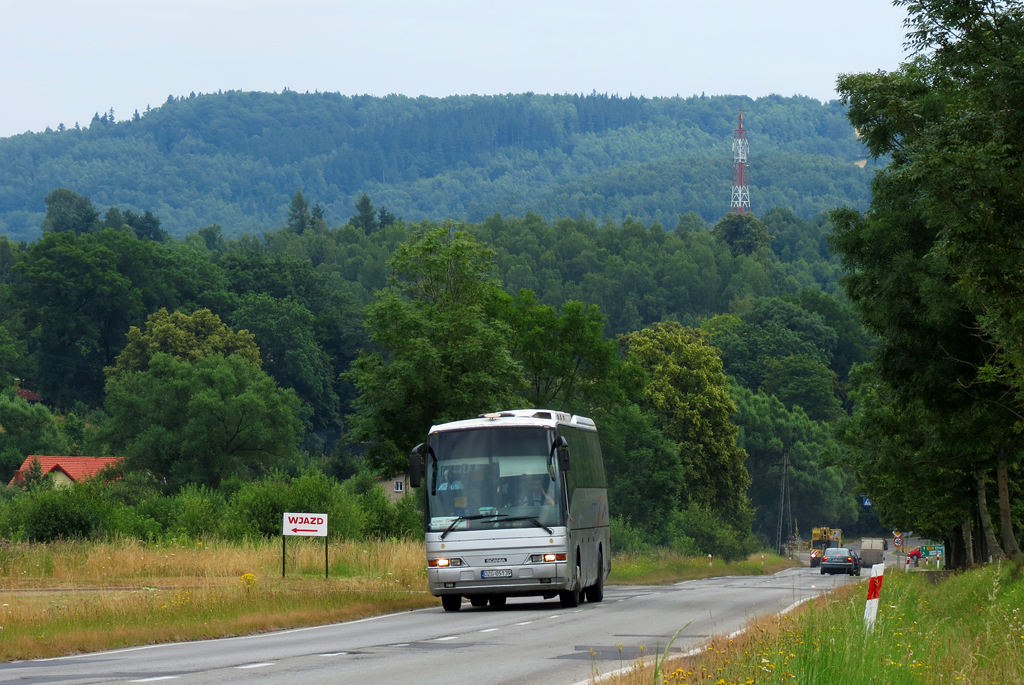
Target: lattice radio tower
(740,181)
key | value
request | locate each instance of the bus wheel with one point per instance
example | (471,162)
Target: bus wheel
(498,600)
(478,600)
(595,593)
(571,598)
(451,602)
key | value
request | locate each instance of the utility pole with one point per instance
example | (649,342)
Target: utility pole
(740,180)
(783,498)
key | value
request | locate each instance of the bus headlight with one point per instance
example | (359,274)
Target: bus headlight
(539,558)
(444,562)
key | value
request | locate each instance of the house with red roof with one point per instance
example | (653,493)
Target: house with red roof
(25,394)
(28,395)
(65,470)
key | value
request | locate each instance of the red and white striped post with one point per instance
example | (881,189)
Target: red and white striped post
(874,590)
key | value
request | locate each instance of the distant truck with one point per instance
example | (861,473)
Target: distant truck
(823,538)
(872,551)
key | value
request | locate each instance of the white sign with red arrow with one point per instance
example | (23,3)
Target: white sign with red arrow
(310,525)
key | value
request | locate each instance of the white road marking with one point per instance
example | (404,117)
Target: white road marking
(334,654)
(450,637)
(154,679)
(404,644)
(259,665)
(555,616)
(524,623)
(488,630)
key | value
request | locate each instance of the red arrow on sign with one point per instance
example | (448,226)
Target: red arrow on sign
(305,530)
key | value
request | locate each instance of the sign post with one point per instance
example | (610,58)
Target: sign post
(304,525)
(874,590)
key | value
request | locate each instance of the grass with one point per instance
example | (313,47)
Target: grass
(69,598)
(967,629)
(660,567)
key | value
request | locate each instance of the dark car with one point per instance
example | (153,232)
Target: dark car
(840,560)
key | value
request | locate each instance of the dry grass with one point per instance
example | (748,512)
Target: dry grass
(130,563)
(77,597)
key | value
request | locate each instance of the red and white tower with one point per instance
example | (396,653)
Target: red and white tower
(740,182)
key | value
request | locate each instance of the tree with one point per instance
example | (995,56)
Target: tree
(821,493)
(565,357)
(27,429)
(950,120)
(928,357)
(299,218)
(146,226)
(438,355)
(364,219)
(80,305)
(283,329)
(185,336)
(743,233)
(686,392)
(385,218)
(66,210)
(202,421)
(800,381)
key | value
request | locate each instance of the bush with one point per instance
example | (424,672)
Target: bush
(68,513)
(628,540)
(256,509)
(163,510)
(697,530)
(126,522)
(381,519)
(199,511)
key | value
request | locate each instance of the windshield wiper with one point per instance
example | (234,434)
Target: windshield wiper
(471,518)
(533,519)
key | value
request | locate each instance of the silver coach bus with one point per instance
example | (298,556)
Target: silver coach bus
(516,505)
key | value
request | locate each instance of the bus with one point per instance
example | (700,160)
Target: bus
(516,505)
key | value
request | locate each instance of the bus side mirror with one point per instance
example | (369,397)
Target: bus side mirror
(416,464)
(563,454)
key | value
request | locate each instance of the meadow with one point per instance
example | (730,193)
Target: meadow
(931,629)
(72,597)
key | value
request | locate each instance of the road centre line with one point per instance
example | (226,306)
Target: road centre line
(259,665)
(450,637)
(154,679)
(334,654)
(488,630)
(524,623)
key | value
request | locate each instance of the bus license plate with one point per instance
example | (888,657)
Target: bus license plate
(497,573)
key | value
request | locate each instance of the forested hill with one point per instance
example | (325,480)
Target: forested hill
(236,158)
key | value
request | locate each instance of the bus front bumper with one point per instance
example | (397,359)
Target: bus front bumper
(528,579)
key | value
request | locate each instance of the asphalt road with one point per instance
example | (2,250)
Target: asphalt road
(527,641)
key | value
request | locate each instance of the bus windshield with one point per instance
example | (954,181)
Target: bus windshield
(486,478)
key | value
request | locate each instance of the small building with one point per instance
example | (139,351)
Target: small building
(396,486)
(65,470)
(28,395)
(25,394)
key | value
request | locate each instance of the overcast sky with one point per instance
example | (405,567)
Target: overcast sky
(63,60)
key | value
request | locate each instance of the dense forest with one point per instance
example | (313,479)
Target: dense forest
(341,345)
(236,158)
